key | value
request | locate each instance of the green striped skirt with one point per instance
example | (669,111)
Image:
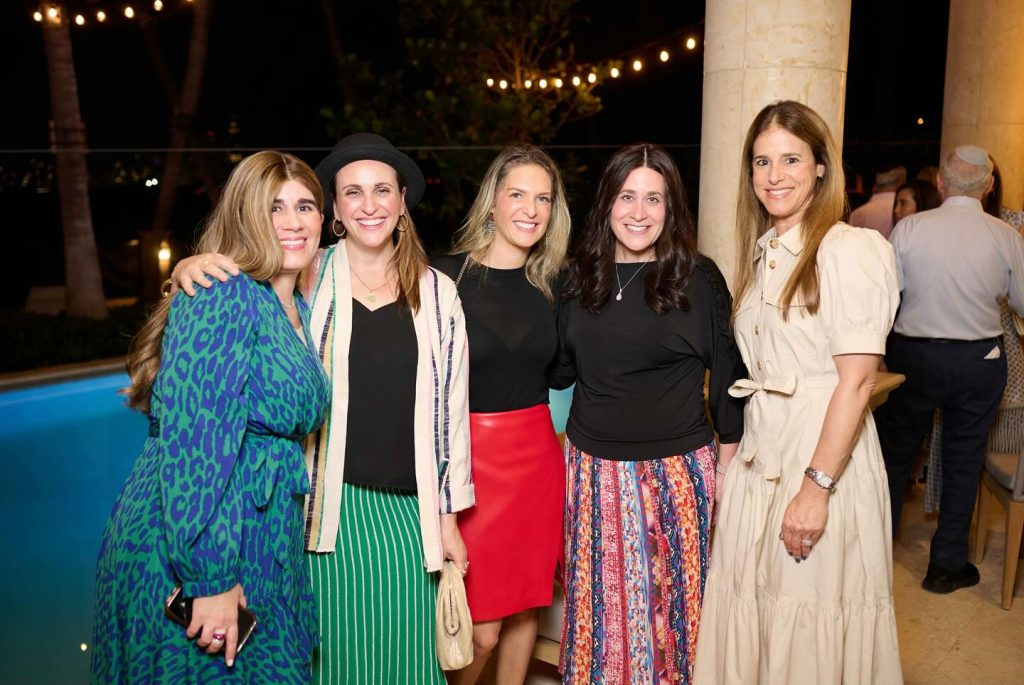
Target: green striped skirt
(376,600)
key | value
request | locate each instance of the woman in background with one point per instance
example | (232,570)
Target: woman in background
(914,196)
(507,263)
(800,584)
(232,384)
(647,320)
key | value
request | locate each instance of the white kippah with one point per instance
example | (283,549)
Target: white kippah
(972,154)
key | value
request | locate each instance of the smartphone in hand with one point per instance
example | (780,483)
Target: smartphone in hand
(179,610)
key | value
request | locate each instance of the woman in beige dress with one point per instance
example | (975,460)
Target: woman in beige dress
(800,582)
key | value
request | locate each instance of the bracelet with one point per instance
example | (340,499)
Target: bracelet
(821,479)
(721,469)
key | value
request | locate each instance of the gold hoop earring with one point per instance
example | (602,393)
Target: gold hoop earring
(334,229)
(403,220)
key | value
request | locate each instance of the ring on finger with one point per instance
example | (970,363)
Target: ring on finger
(203,264)
(219,637)
(807,542)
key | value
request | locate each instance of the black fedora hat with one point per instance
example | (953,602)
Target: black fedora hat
(360,146)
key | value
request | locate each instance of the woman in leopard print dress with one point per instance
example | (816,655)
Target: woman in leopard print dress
(232,384)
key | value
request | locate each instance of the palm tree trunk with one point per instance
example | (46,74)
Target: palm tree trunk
(83,281)
(181,130)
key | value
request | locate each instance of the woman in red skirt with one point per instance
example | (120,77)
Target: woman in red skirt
(506,264)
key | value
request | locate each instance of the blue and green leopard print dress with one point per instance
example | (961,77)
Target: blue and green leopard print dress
(216,497)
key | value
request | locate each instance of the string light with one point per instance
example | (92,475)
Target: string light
(158,5)
(528,84)
(37,15)
(920,121)
(558,83)
(101,16)
(503,84)
(576,80)
(637,65)
(663,55)
(615,72)
(691,43)
(79,19)
(129,12)
(543,83)
(53,14)
(592,78)
(489,82)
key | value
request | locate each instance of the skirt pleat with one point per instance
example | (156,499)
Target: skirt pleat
(636,558)
(376,600)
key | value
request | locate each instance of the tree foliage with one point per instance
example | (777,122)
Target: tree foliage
(435,95)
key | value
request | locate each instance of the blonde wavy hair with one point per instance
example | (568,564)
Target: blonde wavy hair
(828,206)
(241,228)
(547,257)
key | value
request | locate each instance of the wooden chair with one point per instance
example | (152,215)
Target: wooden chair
(1002,479)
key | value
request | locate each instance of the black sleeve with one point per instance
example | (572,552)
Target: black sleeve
(448,264)
(723,357)
(562,372)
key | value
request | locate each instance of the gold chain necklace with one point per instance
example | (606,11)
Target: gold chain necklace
(370,296)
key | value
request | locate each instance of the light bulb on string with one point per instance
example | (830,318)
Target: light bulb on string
(576,80)
(101,16)
(489,82)
(79,19)
(37,15)
(503,84)
(158,5)
(53,14)
(614,72)
(637,65)
(129,12)
(592,78)
(663,55)
(691,43)
(558,83)
(543,83)
(528,84)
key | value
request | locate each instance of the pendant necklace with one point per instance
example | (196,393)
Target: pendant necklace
(371,297)
(623,287)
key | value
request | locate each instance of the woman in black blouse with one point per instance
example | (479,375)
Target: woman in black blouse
(646,319)
(506,265)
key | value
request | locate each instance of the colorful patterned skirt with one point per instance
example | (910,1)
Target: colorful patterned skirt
(636,548)
(514,533)
(376,600)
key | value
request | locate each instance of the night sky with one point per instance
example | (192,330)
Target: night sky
(269,70)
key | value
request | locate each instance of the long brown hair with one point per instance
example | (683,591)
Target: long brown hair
(593,271)
(547,257)
(241,228)
(827,207)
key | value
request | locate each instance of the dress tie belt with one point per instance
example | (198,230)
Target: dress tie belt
(759,436)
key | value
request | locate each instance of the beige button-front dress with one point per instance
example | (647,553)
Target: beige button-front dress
(828,619)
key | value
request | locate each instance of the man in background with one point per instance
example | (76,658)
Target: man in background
(876,213)
(955,263)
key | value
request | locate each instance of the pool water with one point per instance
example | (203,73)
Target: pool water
(65,451)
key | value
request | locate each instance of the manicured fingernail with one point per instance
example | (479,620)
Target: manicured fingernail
(231,662)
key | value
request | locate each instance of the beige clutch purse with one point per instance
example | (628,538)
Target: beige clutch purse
(454,624)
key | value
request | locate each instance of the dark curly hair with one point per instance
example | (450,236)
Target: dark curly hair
(593,271)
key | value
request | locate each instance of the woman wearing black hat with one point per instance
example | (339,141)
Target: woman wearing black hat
(390,468)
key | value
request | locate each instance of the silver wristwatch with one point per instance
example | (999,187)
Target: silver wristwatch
(821,479)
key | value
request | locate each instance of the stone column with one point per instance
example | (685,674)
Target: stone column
(983,102)
(756,52)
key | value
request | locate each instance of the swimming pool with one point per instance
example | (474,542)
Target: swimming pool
(65,451)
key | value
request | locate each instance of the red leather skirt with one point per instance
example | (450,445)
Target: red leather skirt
(514,533)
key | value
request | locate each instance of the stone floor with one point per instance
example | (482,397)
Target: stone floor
(964,638)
